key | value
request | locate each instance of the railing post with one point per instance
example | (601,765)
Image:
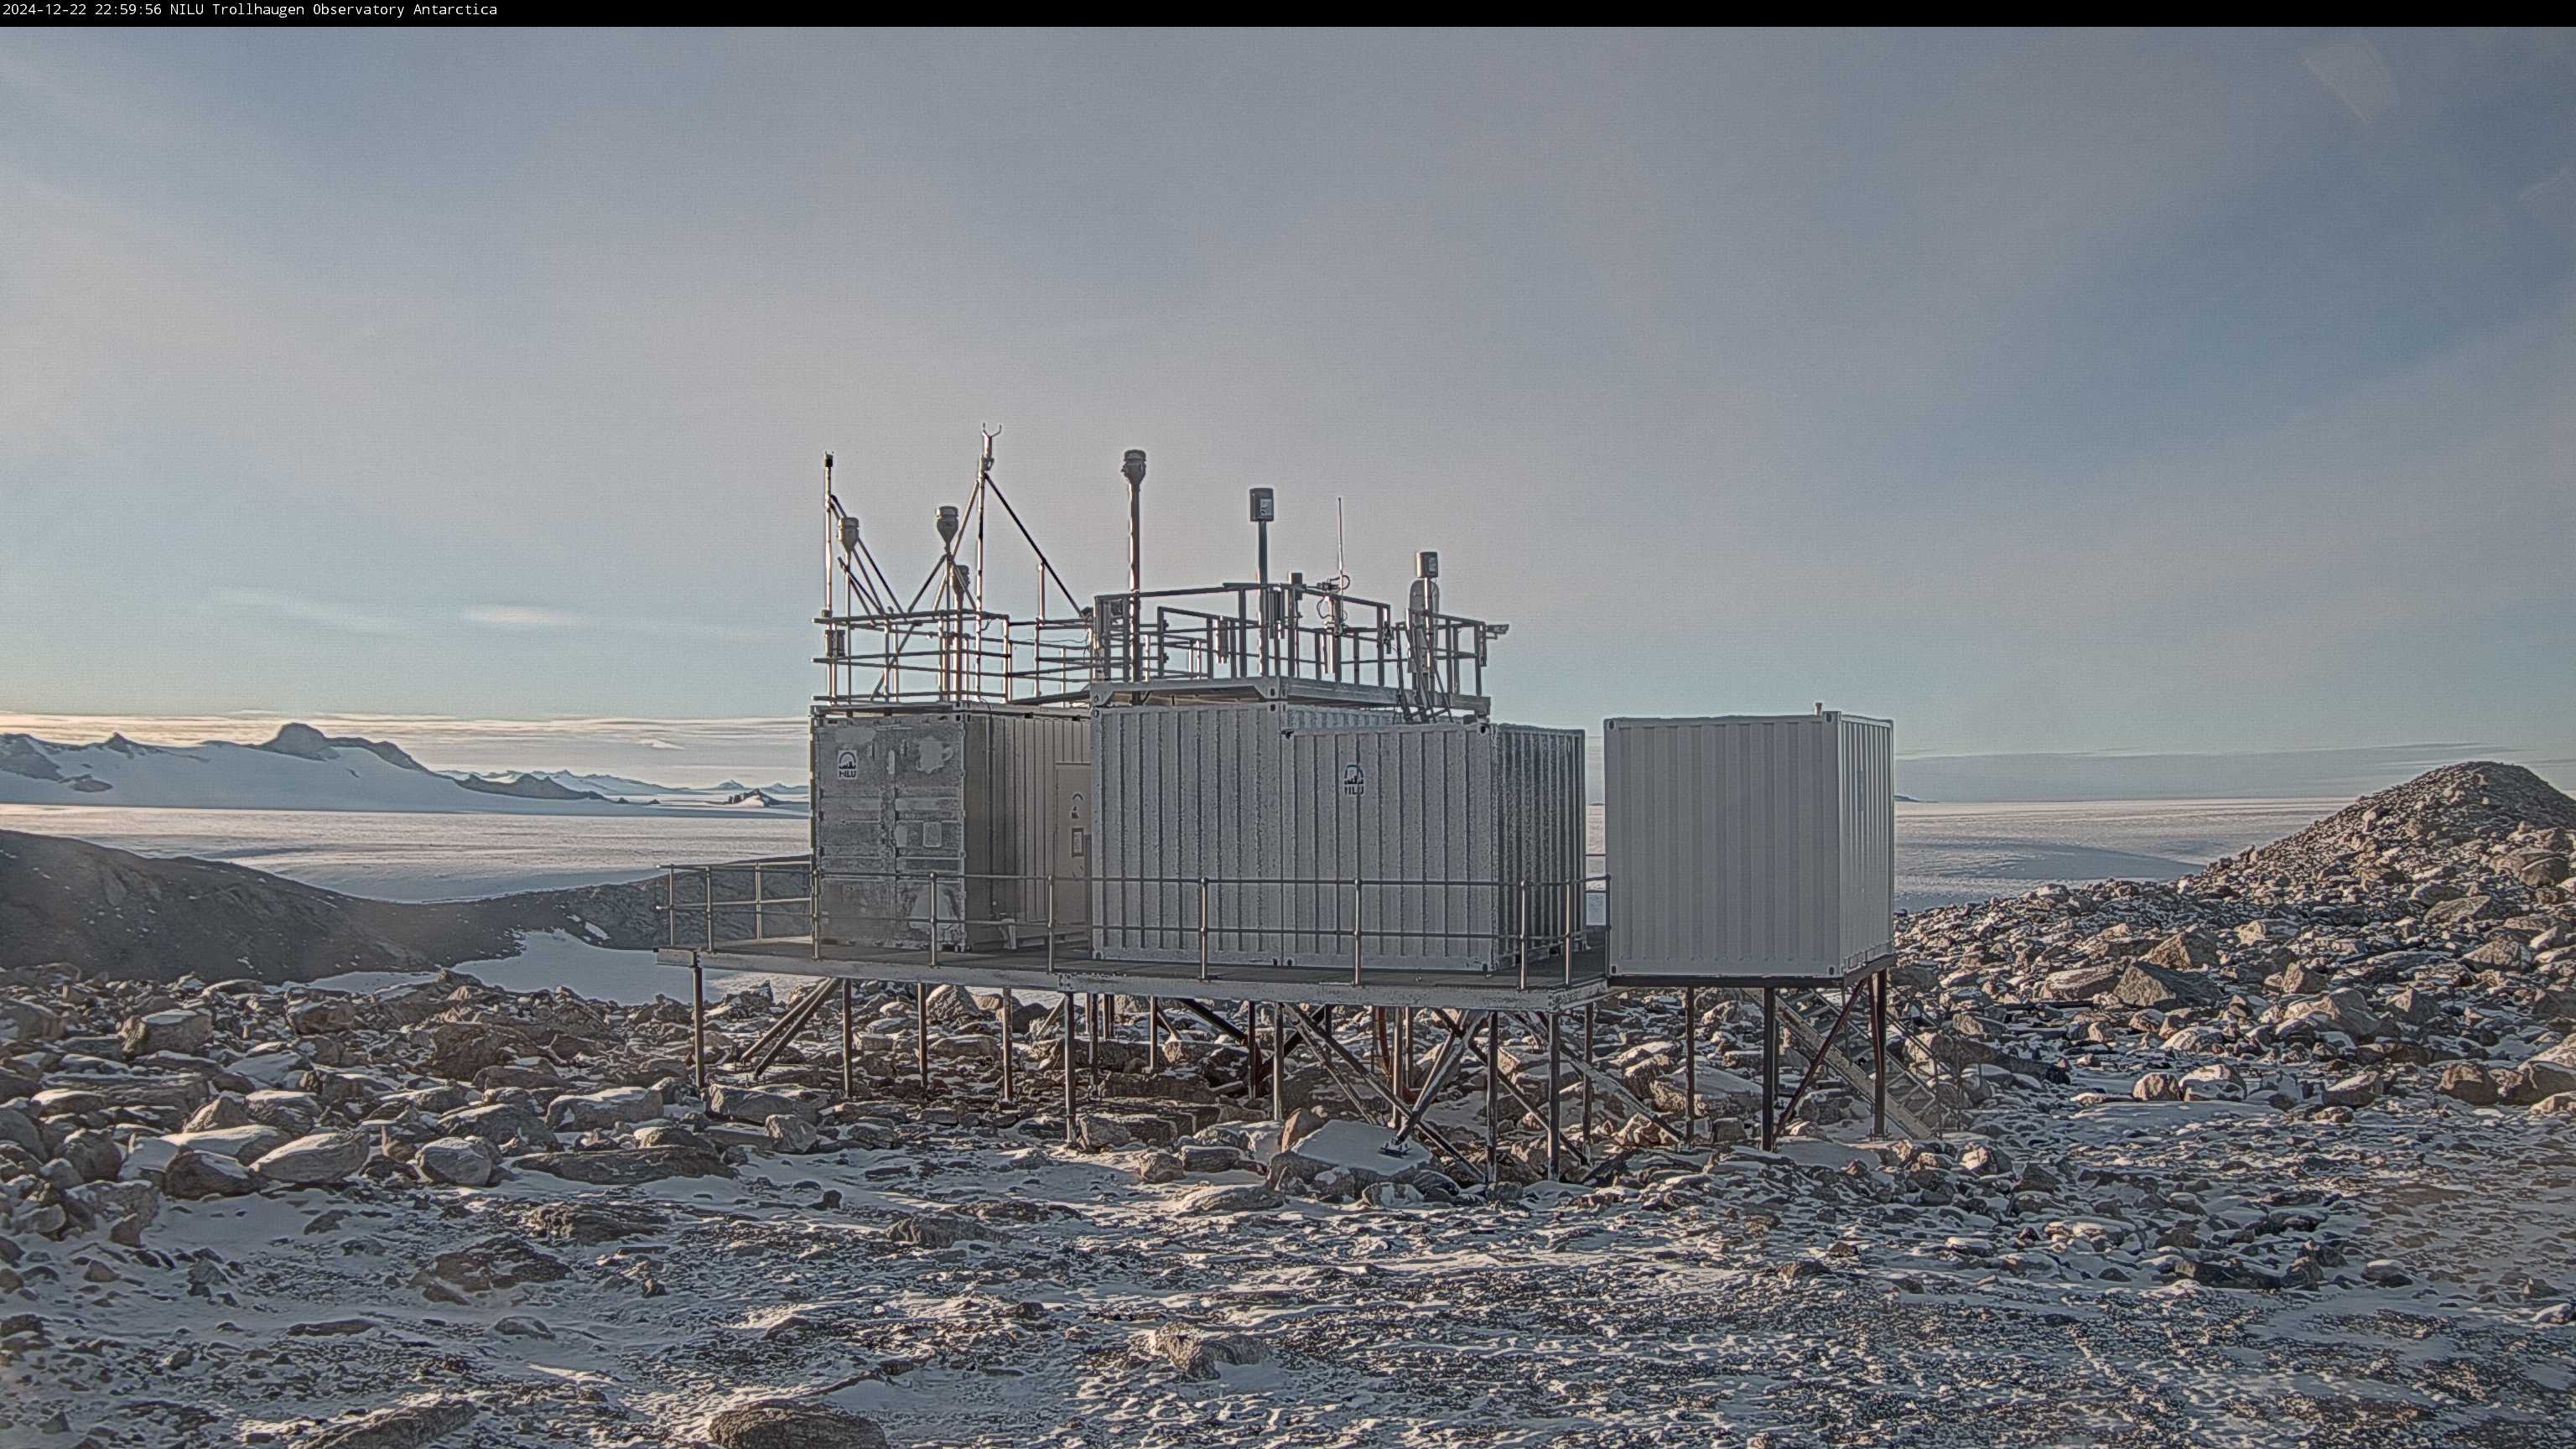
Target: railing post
(1573,896)
(1359,899)
(759,899)
(711,908)
(1525,935)
(934,918)
(1203,928)
(1050,890)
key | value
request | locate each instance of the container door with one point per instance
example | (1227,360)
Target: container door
(1069,871)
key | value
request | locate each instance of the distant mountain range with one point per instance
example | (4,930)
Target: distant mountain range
(305,769)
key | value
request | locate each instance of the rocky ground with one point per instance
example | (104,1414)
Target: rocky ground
(2279,1154)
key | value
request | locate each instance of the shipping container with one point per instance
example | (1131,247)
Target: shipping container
(1750,846)
(1302,819)
(977,818)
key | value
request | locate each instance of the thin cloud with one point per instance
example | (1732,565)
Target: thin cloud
(322,613)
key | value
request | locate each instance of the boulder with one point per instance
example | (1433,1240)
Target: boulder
(792,1424)
(941,1230)
(2470,1083)
(625,1167)
(752,1106)
(614,1107)
(1245,1197)
(2081,983)
(192,1175)
(181,1031)
(2150,987)
(323,1157)
(416,1425)
(2184,951)
(503,1124)
(457,1162)
(25,1021)
(1197,1354)
(789,1133)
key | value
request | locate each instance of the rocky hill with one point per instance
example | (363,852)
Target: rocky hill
(113,913)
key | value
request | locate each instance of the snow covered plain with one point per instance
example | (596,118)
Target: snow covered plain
(421,855)
(1944,853)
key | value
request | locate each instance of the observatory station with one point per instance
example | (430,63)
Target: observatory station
(1262,802)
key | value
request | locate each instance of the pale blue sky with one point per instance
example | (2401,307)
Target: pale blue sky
(2163,392)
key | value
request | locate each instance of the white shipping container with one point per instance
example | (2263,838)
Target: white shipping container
(989,801)
(1280,806)
(1750,846)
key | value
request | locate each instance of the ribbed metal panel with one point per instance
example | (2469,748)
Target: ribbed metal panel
(1749,846)
(1184,792)
(901,796)
(1284,805)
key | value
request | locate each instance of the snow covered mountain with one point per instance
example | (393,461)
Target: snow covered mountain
(304,769)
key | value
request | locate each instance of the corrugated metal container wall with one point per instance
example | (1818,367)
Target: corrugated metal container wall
(901,797)
(1468,811)
(1749,845)
(1182,792)
(1255,798)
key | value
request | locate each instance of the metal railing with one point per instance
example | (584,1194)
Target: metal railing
(1530,929)
(1291,630)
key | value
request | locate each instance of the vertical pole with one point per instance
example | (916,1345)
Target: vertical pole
(1493,1084)
(1203,928)
(1690,1065)
(1050,885)
(921,1033)
(1878,1048)
(1588,1064)
(1252,1046)
(1770,1065)
(1154,1034)
(934,918)
(1091,1029)
(849,1046)
(1573,890)
(1356,898)
(1553,1174)
(698,1020)
(1006,1048)
(1525,936)
(1068,1067)
(1278,1062)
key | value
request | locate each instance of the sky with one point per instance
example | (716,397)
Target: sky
(2172,394)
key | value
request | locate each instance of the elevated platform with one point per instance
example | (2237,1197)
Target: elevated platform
(1390,985)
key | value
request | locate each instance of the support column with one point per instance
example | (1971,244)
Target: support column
(1770,1065)
(1589,1062)
(1006,1048)
(1878,1049)
(921,1034)
(849,1046)
(1278,1063)
(1069,1000)
(698,1020)
(1690,1065)
(1553,1174)
(1153,1035)
(1493,1084)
